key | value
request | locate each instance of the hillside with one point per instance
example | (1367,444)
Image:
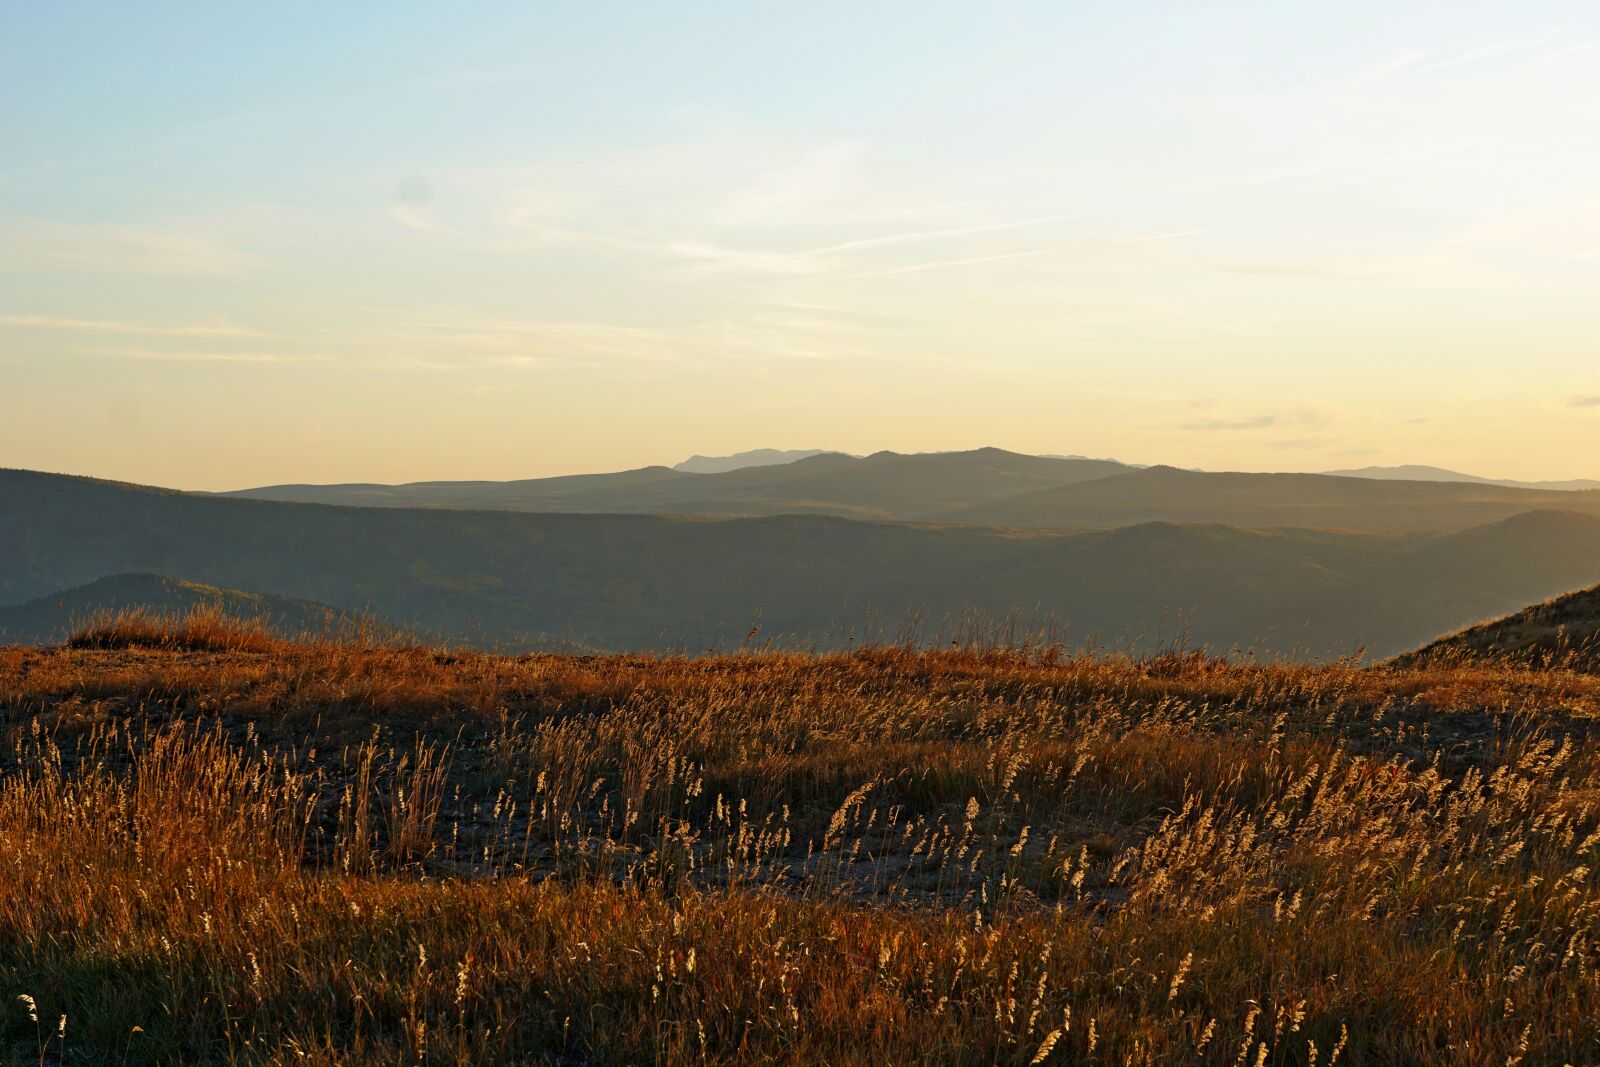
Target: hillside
(985,487)
(1563,631)
(653,582)
(48,619)
(966,857)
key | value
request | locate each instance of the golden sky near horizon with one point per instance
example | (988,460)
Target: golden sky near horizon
(418,244)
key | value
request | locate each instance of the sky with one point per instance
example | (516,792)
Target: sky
(248,244)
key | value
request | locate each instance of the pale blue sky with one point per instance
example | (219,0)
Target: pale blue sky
(242,244)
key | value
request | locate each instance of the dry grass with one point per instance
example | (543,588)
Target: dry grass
(202,629)
(324,853)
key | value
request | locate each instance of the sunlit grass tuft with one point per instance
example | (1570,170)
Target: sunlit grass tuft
(201,629)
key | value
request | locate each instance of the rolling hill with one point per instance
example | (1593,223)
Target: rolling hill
(655,582)
(49,619)
(986,487)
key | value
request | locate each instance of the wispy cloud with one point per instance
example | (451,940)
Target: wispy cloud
(1210,425)
(941,264)
(1417,61)
(1302,442)
(1090,245)
(467,342)
(1310,422)
(163,355)
(1287,269)
(28,244)
(794,186)
(1586,401)
(114,326)
(1474,54)
(934,235)
(412,217)
(1169,236)
(1572,50)
(717,257)
(834,259)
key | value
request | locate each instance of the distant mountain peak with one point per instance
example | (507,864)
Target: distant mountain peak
(1419,472)
(1091,459)
(755,457)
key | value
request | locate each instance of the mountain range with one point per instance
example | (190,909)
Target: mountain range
(985,487)
(643,581)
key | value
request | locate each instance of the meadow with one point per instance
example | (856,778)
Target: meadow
(219,846)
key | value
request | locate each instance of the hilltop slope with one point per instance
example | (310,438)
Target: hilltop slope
(1564,631)
(639,582)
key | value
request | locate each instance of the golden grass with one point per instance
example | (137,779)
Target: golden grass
(320,852)
(200,629)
